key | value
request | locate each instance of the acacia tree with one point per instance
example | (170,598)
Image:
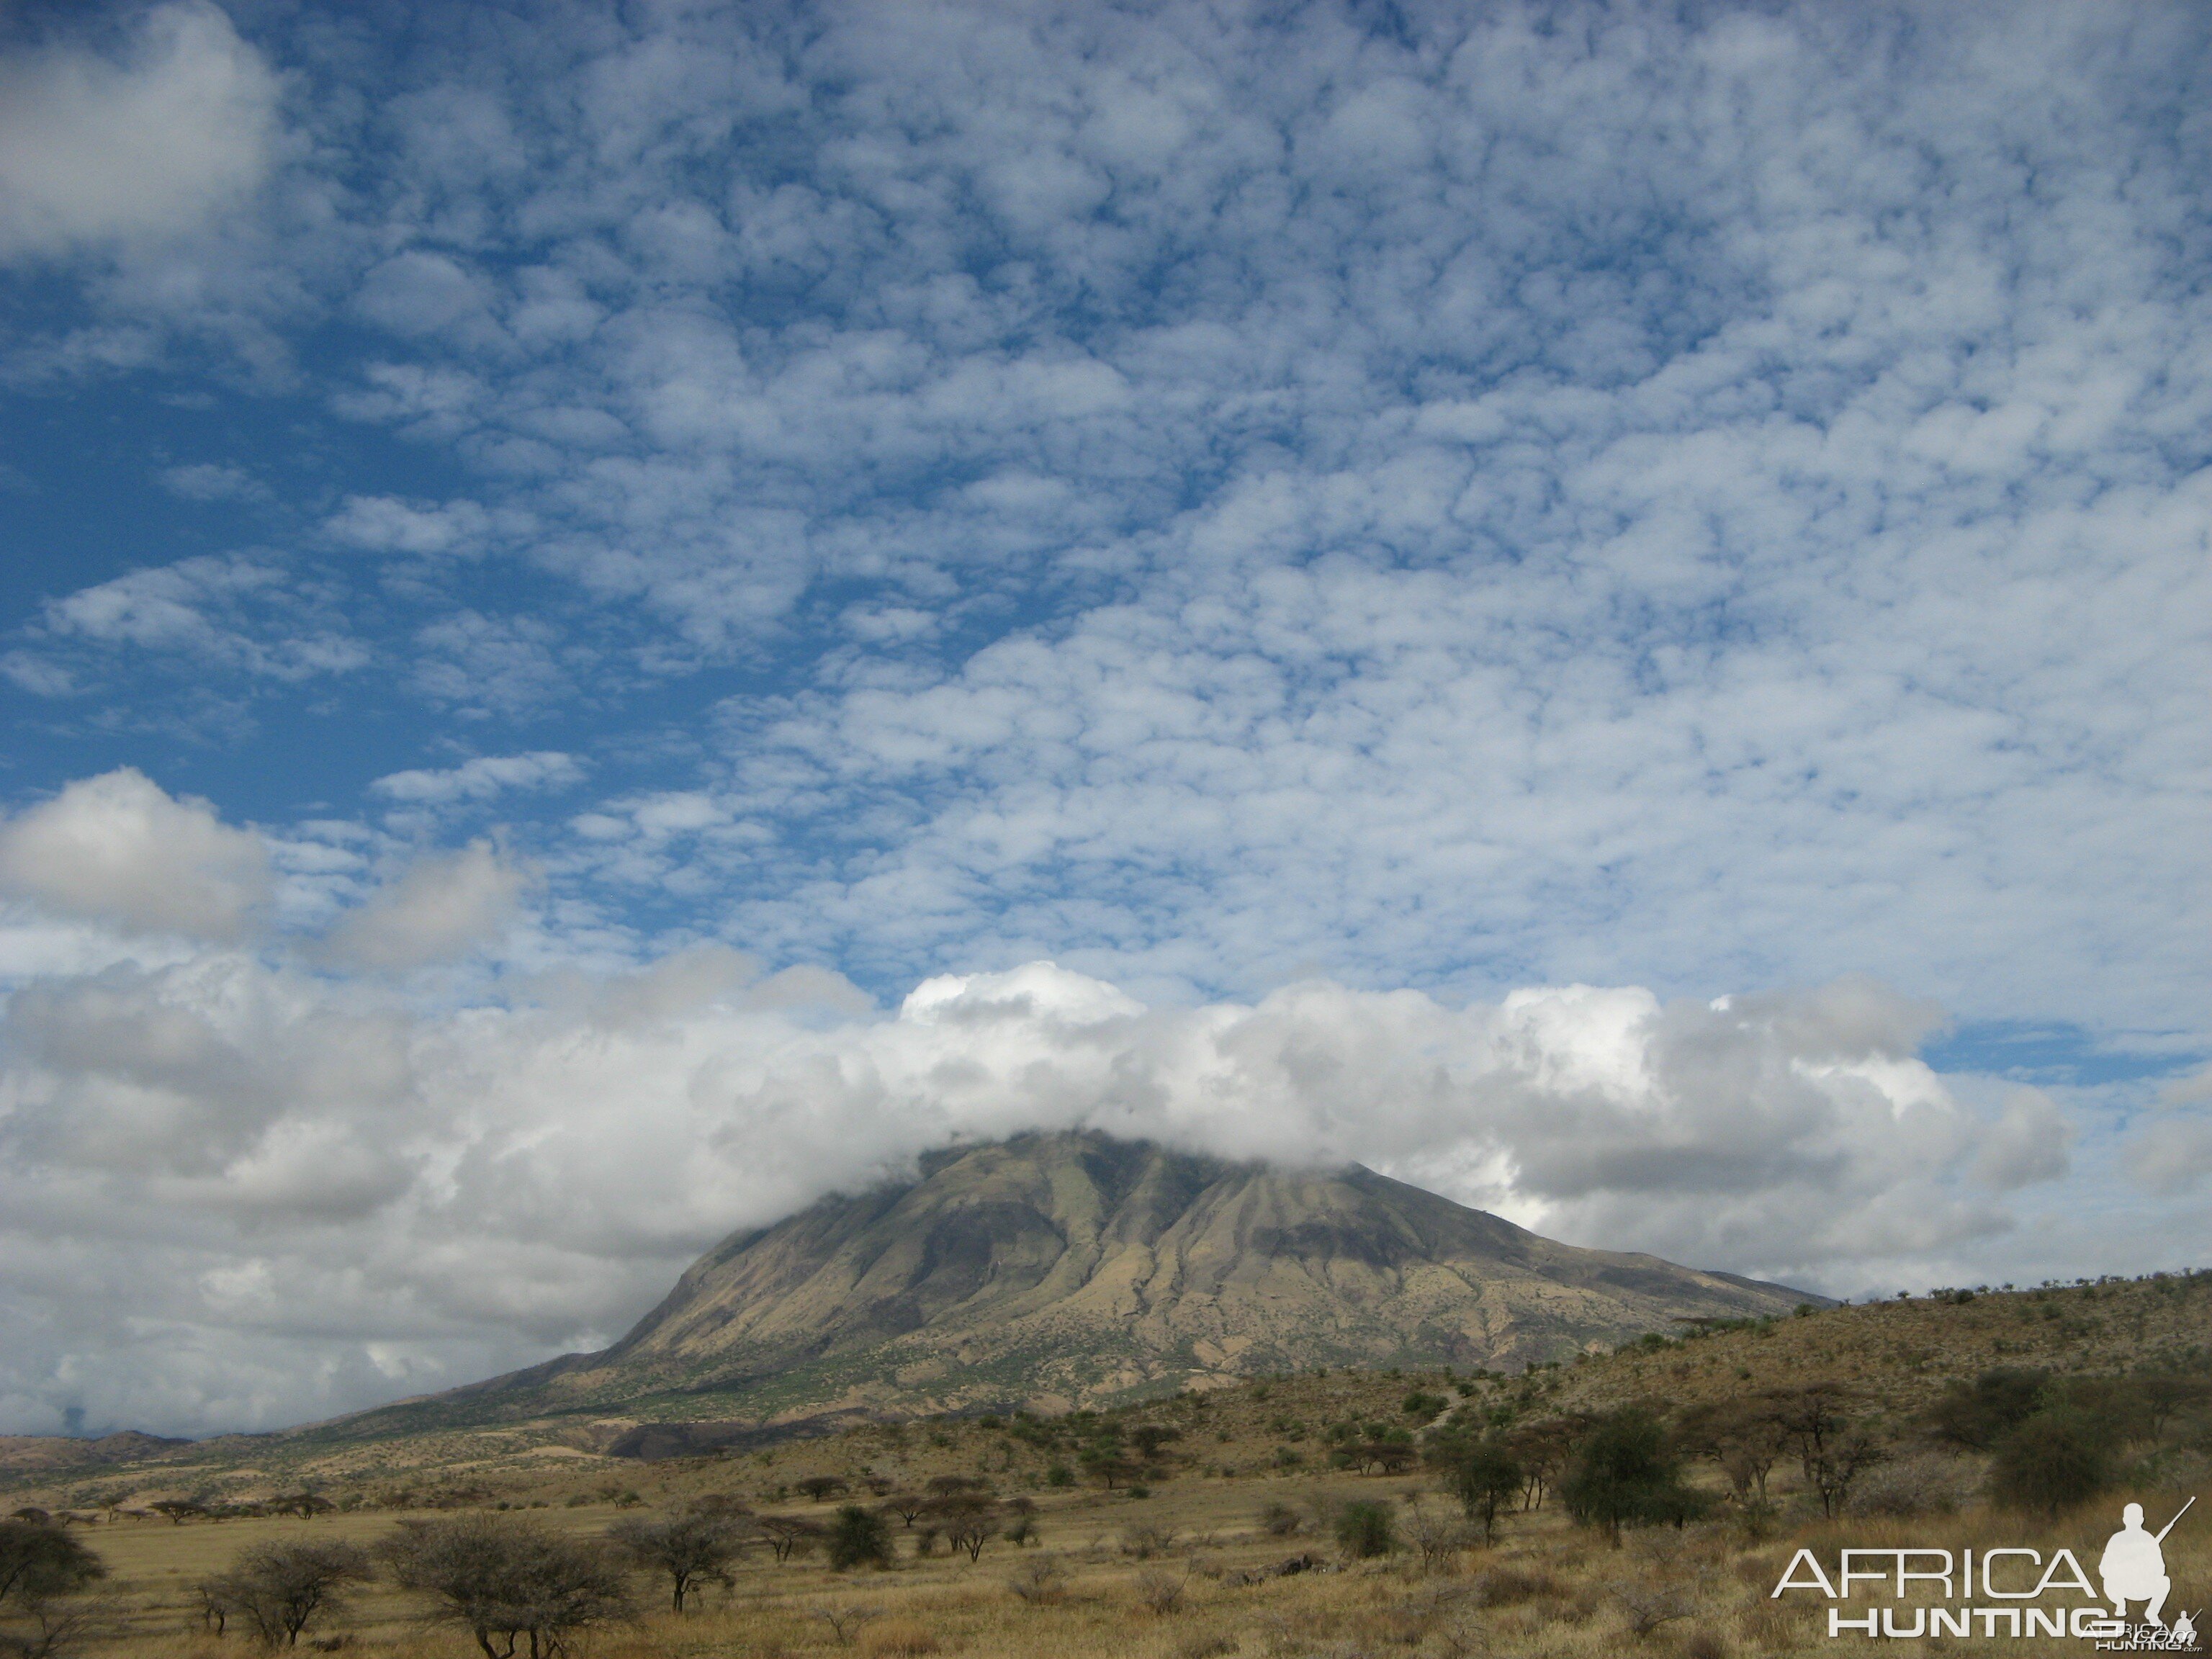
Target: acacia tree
(280,1589)
(42,1568)
(967,1521)
(1743,1437)
(693,1547)
(1483,1475)
(787,1535)
(906,1505)
(1625,1474)
(39,1561)
(505,1580)
(1542,1450)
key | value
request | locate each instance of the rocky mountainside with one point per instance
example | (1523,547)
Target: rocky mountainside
(1066,1269)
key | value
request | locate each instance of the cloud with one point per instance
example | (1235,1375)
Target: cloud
(2029,1143)
(383,524)
(320,1170)
(210,482)
(444,906)
(2172,1154)
(482,777)
(96,152)
(252,615)
(117,849)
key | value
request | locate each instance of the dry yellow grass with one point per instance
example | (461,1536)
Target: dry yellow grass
(1545,1591)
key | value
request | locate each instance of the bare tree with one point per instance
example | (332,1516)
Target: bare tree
(1837,1468)
(280,1589)
(1744,1437)
(1648,1607)
(1436,1535)
(787,1535)
(845,1622)
(1040,1580)
(505,1580)
(1809,1418)
(693,1547)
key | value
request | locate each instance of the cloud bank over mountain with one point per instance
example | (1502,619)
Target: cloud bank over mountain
(216,1148)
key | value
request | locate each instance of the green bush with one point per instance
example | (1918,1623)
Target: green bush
(1365,1528)
(1625,1476)
(859,1538)
(1979,1414)
(2056,1458)
(1423,1407)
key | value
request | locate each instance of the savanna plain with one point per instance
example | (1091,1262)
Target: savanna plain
(1644,1501)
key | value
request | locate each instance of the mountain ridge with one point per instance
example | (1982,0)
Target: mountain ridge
(1052,1271)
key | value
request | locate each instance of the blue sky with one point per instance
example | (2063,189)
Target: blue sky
(589,543)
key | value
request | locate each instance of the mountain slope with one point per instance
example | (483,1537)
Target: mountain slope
(1065,1269)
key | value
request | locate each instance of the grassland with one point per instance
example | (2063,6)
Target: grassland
(1192,1568)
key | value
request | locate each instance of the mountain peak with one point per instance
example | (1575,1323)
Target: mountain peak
(1073,1268)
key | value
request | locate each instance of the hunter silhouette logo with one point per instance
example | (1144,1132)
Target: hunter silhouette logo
(2133,1565)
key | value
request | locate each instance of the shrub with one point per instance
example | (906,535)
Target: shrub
(1911,1486)
(1506,1587)
(2055,1459)
(1160,1593)
(858,1538)
(1423,1407)
(1145,1540)
(1040,1581)
(1979,1414)
(1365,1528)
(508,1579)
(279,1589)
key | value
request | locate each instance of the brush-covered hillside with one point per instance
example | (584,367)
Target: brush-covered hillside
(1893,1361)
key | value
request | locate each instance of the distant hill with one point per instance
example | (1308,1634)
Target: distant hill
(1054,1271)
(29,1452)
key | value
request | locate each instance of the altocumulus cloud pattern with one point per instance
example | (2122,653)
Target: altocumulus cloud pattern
(616,616)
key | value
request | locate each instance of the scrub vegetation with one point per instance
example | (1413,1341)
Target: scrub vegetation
(1645,1501)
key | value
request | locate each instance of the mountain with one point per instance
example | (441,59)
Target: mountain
(54,1451)
(1071,1269)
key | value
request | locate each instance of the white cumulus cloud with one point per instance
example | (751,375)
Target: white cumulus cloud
(117,849)
(442,907)
(98,151)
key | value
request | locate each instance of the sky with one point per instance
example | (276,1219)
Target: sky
(614,618)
